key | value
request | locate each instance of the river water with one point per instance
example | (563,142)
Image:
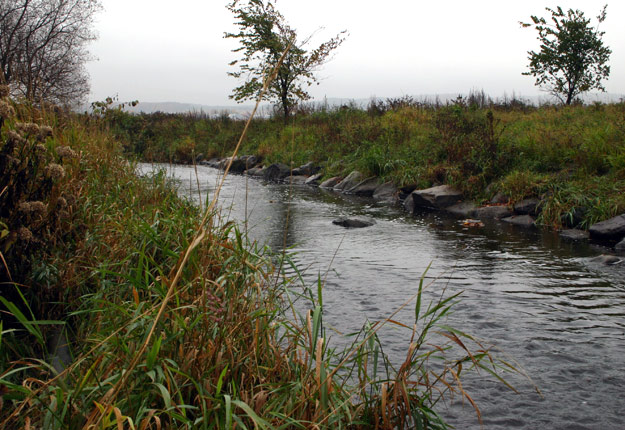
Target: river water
(531,297)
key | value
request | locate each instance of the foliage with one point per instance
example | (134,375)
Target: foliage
(572,58)
(264,36)
(43,48)
(240,341)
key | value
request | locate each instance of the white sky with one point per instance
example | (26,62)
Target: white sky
(163,50)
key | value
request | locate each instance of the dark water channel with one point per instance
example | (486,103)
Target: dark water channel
(534,298)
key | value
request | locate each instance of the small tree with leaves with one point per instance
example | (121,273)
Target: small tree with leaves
(263,36)
(572,58)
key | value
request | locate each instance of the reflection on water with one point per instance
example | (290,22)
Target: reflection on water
(530,295)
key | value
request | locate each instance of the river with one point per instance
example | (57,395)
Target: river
(532,297)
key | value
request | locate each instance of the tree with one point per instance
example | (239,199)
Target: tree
(572,57)
(43,48)
(264,35)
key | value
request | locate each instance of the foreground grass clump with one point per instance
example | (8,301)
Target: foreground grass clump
(476,145)
(175,321)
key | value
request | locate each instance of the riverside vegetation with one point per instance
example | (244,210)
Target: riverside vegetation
(123,306)
(571,157)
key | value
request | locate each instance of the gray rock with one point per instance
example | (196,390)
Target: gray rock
(307,169)
(330,183)
(349,182)
(462,209)
(574,234)
(620,247)
(439,197)
(386,193)
(364,188)
(490,212)
(296,180)
(255,171)
(527,206)
(499,198)
(612,229)
(313,180)
(405,191)
(520,220)
(608,260)
(353,222)
(574,217)
(276,172)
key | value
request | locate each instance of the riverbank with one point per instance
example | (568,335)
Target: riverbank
(570,158)
(174,320)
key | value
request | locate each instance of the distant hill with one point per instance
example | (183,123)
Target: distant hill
(243,111)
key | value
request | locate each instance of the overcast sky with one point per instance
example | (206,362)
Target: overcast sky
(161,50)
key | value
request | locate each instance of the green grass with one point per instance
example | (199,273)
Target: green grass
(177,321)
(471,147)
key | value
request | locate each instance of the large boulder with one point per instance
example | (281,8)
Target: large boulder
(386,193)
(365,188)
(527,206)
(330,183)
(353,222)
(520,220)
(349,182)
(492,212)
(276,172)
(439,197)
(574,234)
(610,230)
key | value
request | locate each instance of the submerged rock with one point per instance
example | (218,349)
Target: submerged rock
(492,212)
(608,260)
(353,222)
(462,209)
(520,220)
(574,234)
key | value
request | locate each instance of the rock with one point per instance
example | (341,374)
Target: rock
(620,247)
(239,165)
(612,229)
(490,212)
(365,188)
(307,169)
(520,220)
(349,182)
(255,171)
(330,183)
(439,197)
(386,193)
(527,206)
(313,180)
(574,234)
(276,172)
(353,222)
(608,260)
(199,158)
(499,198)
(409,205)
(462,209)
(296,180)
(406,190)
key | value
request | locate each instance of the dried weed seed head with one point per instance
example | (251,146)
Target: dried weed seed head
(54,171)
(61,203)
(6,110)
(24,234)
(44,132)
(4,91)
(66,152)
(14,137)
(27,128)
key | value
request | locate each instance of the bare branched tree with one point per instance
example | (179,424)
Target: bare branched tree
(43,48)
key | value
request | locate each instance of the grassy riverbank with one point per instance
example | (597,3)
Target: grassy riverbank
(572,157)
(173,319)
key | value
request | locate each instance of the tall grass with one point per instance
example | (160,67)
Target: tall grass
(221,337)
